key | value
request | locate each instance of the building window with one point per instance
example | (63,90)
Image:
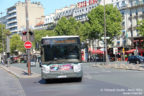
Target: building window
(137,2)
(117,4)
(130,13)
(136,12)
(123,3)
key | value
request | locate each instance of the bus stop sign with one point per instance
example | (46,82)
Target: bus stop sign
(27,44)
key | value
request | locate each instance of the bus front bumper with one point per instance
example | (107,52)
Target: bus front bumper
(61,75)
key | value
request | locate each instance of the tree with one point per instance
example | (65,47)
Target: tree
(69,27)
(61,27)
(96,21)
(140,27)
(3,33)
(16,44)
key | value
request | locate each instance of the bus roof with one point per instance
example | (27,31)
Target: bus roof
(70,36)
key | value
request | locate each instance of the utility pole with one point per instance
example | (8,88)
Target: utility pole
(105,40)
(28,38)
(8,50)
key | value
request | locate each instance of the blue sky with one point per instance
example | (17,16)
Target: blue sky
(49,5)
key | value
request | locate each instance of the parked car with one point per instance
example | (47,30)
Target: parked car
(136,59)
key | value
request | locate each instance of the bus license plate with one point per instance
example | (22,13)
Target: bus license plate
(62,76)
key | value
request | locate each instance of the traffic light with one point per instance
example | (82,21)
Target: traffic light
(31,35)
(24,33)
(24,36)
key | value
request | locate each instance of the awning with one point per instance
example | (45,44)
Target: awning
(97,52)
(132,51)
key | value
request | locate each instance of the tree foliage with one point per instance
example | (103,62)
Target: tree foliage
(96,21)
(69,27)
(140,27)
(3,33)
(38,34)
(16,44)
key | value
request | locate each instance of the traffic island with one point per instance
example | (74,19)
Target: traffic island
(121,66)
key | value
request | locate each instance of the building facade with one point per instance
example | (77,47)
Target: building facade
(16,17)
(64,12)
(132,11)
(83,8)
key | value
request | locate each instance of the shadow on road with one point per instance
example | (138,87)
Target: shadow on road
(56,81)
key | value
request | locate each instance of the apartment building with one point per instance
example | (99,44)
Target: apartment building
(16,17)
(64,12)
(83,8)
(132,12)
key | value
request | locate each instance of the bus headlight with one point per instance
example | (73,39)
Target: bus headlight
(77,68)
(45,69)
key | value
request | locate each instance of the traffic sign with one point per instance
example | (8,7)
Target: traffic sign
(27,44)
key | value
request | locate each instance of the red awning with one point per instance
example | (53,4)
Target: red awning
(97,52)
(132,51)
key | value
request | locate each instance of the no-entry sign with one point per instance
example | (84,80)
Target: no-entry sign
(27,44)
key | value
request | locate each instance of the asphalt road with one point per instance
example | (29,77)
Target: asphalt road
(10,85)
(96,82)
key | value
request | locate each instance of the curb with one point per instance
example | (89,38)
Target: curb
(120,66)
(20,75)
(6,69)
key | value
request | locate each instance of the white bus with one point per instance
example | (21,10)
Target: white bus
(61,57)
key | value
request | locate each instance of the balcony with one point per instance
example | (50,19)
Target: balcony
(8,27)
(9,17)
(11,21)
(12,11)
(14,31)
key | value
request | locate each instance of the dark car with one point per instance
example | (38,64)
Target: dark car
(136,59)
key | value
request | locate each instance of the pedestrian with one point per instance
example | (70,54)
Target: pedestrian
(2,62)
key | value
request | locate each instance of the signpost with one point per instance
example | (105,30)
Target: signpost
(28,37)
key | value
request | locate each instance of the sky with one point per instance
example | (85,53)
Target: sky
(49,5)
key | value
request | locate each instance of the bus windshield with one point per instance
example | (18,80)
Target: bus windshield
(61,53)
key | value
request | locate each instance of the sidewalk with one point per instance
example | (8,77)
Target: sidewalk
(19,72)
(122,65)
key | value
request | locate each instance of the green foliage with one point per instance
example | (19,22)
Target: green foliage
(96,21)
(69,27)
(42,33)
(16,44)
(3,33)
(62,27)
(140,27)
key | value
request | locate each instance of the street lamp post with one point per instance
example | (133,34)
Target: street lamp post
(105,40)
(27,30)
